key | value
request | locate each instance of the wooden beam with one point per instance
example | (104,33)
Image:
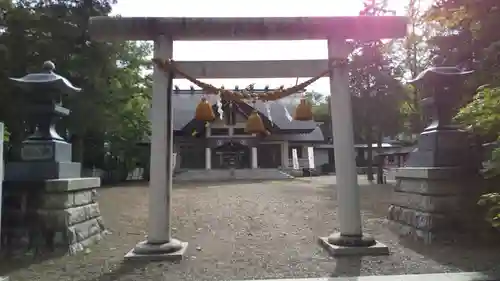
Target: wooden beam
(275,28)
(253,69)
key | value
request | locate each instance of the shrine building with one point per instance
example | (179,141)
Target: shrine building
(225,143)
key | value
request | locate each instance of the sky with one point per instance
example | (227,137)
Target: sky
(248,50)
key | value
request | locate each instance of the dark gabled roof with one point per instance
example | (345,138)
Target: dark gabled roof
(397,151)
(279,112)
(315,136)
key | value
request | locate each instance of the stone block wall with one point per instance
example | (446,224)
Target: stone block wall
(437,204)
(53,214)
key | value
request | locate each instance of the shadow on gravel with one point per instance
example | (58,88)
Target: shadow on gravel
(475,254)
(13,261)
(123,269)
(347,267)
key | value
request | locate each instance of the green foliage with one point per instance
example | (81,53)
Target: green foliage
(410,56)
(482,114)
(112,107)
(321,111)
(320,106)
(492,201)
(410,110)
(482,117)
(376,95)
(492,167)
(6,134)
(314,98)
(129,131)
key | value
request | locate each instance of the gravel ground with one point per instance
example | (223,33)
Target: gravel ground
(247,231)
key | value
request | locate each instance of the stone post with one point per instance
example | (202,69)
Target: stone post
(255,163)
(208,158)
(350,240)
(2,278)
(159,243)
(1,177)
(285,162)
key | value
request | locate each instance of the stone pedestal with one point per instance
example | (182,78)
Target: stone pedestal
(436,204)
(42,160)
(443,148)
(51,214)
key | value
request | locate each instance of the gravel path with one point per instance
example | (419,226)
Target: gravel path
(247,231)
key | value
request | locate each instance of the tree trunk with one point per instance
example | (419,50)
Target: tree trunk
(369,152)
(417,119)
(380,162)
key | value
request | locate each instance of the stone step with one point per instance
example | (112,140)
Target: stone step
(463,276)
(228,175)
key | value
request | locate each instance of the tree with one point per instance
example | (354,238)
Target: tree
(115,89)
(471,41)
(375,93)
(412,55)
(470,37)
(320,106)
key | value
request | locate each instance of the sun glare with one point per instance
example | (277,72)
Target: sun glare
(256,50)
(221,8)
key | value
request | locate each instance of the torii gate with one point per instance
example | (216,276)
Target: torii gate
(163,31)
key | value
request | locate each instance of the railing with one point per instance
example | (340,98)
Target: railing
(114,176)
(117,176)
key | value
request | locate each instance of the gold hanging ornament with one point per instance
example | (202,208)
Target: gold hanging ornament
(204,111)
(254,123)
(303,111)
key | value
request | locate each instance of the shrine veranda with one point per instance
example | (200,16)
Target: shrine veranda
(336,30)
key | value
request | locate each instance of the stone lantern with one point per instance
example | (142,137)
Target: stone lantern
(441,144)
(44,154)
(48,204)
(434,199)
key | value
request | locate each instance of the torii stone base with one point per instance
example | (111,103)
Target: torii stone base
(159,256)
(378,249)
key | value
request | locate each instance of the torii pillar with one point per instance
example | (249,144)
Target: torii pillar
(350,240)
(159,244)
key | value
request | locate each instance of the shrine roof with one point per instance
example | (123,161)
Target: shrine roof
(254,28)
(314,136)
